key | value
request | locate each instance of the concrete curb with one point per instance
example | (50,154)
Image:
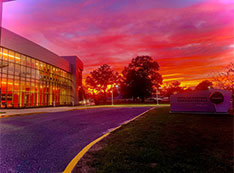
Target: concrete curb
(72,109)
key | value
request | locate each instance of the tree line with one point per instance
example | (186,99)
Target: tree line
(141,79)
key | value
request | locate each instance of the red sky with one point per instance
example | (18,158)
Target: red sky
(190,39)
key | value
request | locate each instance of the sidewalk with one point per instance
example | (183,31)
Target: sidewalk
(9,112)
(28,111)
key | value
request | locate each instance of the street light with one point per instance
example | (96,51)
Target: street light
(157,94)
(112,94)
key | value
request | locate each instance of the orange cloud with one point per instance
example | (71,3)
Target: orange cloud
(189,39)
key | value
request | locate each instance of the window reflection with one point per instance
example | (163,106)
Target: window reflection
(27,82)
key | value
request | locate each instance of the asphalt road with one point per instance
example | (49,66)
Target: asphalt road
(48,142)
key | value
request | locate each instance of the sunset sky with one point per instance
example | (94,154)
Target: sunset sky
(190,39)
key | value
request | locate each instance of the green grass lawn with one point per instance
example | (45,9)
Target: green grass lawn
(164,142)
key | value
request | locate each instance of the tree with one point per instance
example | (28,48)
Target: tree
(100,79)
(172,88)
(140,78)
(188,89)
(204,85)
(225,80)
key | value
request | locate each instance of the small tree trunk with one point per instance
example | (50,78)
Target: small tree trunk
(142,99)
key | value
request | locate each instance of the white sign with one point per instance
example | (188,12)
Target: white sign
(213,101)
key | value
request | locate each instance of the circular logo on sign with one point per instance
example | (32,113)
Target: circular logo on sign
(216,98)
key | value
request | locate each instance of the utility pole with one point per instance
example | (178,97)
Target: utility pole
(157,92)
(157,96)
(112,94)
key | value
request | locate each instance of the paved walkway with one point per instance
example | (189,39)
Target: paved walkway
(9,112)
(38,110)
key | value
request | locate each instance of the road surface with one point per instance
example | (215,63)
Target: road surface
(48,142)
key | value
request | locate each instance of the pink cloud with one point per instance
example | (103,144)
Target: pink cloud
(114,33)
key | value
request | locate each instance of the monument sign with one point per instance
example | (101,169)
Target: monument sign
(212,101)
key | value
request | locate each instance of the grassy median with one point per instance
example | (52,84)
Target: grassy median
(164,142)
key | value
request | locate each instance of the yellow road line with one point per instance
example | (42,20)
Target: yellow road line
(77,158)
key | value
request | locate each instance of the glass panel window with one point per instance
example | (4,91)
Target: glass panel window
(1,53)
(16,85)
(37,64)
(29,62)
(23,60)
(27,82)
(17,58)
(33,63)
(5,54)
(23,71)
(33,71)
(17,69)
(5,65)
(11,56)
(28,72)
(37,74)
(11,68)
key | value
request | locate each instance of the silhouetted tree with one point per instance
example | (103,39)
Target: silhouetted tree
(99,80)
(225,80)
(140,77)
(204,85)
(172,88)
(188,89)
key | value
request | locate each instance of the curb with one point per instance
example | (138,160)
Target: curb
(77,158)
(33,113)
(16,115)
(72,109)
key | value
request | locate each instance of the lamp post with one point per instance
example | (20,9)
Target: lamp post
(112,94)
(157,94)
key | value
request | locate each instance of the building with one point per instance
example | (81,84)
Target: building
(32,76)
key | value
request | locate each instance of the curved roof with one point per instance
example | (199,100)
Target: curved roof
(22,45)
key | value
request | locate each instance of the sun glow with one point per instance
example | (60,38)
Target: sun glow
(185,50)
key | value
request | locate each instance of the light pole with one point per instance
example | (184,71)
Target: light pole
(157,94)
(112,94)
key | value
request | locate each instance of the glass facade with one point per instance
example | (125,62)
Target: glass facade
(28,82)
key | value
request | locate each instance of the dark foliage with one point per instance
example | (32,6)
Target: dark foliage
(140,78)
(100,78)
(204,85)
(172,88)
